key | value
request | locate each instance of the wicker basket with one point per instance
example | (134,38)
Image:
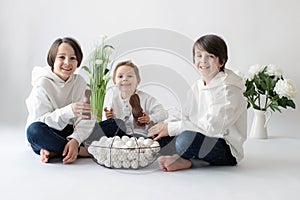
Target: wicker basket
(124,153)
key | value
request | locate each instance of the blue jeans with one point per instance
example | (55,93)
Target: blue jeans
(109,128)
(215,151)
(41,136)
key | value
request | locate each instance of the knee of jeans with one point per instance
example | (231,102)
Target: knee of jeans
(184,141)
(121,124)
(33,130)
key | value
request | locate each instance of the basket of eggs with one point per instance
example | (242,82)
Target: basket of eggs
(124,152)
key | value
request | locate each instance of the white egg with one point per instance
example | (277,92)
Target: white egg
(143,161)
(155,147)
(107,163)
(102,141)
(117,137)
(117,164)
(108,142)
(148,154)
(147,142)
(130,144)
(155,144)
(134,164)
(122,155)
(118,143)
(126,164)
(125,138)
(132,155)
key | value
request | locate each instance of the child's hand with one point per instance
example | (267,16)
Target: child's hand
(109,113)
(158,131)
(82,109)
(70,151)
(145,119)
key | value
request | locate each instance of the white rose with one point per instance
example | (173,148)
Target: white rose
(285,88)
(255,69)
(273,70)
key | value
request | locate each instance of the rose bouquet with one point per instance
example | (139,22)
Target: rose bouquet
(99,75)
(267,88)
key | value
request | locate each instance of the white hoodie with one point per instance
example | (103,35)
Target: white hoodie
(50,102)
(122,108)
(218,109)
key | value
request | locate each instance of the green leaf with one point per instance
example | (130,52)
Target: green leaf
(86,69)
(291,103)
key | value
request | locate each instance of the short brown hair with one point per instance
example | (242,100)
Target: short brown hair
(54,47)
(130,64)
(215,45)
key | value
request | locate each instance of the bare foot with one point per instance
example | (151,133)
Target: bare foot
(44,155)
(173,163)
(83,152)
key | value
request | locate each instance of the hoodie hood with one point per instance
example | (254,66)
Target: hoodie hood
(228,77)
(40,73)
(231,78)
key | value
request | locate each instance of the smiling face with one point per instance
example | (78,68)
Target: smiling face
(207,64)
(65,62)
(126,80)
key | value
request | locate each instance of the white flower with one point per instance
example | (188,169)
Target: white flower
(285,88)
(98,61)
(273,70)
(106,78)
(103,37)
(254,70)
(109,50)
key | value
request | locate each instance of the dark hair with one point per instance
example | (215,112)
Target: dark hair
(215,45)
(54,47)
(130,64)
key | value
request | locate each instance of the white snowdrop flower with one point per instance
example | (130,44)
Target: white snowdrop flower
(98,61)
(103,37)
(109,51)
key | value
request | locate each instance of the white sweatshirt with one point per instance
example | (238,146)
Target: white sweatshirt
(50,102)
(122,108)
(218,109)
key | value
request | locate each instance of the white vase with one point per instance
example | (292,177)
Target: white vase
(259,124)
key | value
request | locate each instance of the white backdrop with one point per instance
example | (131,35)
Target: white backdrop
(256,31)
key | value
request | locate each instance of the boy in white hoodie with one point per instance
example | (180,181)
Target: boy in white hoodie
(213,127)
(56,125)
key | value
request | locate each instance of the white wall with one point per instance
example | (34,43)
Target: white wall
(256,31)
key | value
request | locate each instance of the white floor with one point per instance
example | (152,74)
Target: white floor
(270,170)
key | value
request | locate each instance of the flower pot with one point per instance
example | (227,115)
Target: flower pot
(259,124)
